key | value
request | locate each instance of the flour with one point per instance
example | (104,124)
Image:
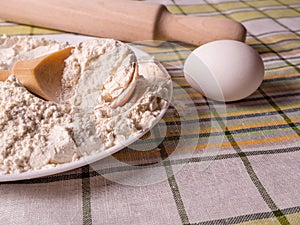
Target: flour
(96,63)
(16,48)
(37,134)
(116,125)
(25,124)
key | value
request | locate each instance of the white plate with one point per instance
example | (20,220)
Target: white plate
(97,156)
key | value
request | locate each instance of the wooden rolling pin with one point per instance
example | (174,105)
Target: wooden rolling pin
(123,20)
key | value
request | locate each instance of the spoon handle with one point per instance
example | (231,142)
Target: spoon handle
(4,74)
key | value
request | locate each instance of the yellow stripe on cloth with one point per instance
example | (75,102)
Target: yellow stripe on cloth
(264,3)
(15,30)
(286,13)
(25,30)
(292,218)
(190,9)
(211,145)
(248,125)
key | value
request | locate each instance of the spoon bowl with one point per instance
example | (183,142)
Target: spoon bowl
(41,76)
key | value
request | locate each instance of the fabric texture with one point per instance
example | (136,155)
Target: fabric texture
(205,162)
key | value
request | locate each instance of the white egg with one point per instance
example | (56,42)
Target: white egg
(224,70)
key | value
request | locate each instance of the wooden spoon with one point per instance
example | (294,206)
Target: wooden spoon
(42,76)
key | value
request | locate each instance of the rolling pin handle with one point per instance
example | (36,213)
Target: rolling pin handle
(198,30)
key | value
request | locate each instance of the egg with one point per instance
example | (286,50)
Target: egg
(224,70)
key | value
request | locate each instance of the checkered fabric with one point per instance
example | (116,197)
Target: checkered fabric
(205,162)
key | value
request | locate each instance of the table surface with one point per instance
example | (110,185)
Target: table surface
(205,162)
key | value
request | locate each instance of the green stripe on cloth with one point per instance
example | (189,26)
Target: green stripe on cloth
(240,12)
(86,196)
(173,185)
(267,198)
(254,219)
(289,2)
(252,15)
(284,116)
(293,219)
(263,192)
(169,171)
(264,3)
(280,13)
(274,14)
(276,53)
(226,7)
(62,177)
(288,6)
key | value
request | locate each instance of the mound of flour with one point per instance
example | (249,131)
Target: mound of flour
(37,134)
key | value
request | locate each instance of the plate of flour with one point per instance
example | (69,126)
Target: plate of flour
(113,94)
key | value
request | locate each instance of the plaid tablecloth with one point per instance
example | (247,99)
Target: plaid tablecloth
(205,162)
